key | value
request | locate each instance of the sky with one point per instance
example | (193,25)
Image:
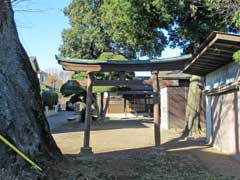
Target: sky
(40,24)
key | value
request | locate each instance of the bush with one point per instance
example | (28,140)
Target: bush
(50,98)
(236,56)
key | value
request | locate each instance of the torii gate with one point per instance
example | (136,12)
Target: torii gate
(93,66)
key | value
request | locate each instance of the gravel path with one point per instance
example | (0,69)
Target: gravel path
(59,119)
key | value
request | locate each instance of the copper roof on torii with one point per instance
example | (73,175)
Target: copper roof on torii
(216,51)
(93,65)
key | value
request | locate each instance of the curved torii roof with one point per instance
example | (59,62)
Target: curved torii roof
(93,65)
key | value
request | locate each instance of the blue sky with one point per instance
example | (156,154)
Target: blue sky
(40,30)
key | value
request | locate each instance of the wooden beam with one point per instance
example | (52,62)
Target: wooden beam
(223,89)
(212,61)
(209,53)
(226,46)
(222,50)
(153,66)
(203,65)
(101,105)
(227,37)
(125,105)
(116,82)
(86,150)
(121,82)
(203,49)
(215,58)
(204,68)
(156,108)
(122,75)
(207,64)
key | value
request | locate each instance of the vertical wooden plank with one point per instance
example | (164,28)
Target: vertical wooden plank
(122,75)
(86,150)
(145,103)
(101,104)
(125,104)
(156,108)
(149,105)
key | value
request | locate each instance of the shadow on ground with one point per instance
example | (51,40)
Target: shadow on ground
(175,160)
(138,164)
(75,126)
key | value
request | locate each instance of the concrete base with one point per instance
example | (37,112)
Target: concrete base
(86,153)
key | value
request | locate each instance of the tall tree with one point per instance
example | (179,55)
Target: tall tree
(147,26)
(22,117)
(193,108)
(137,25)
(228,9)
(125,27)
(86,38)
(194,20)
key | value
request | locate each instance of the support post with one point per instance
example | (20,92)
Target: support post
(149,105)
(156,108)
(125,105)
(86,150)
(102,105)
(145,103)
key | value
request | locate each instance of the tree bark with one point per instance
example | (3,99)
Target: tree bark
(22,116)
(193,109)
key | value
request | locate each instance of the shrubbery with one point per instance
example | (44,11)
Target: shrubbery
(236,56)
(50,98)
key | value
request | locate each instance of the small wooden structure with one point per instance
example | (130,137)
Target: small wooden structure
(174,92)
(222,79)
(93,66)
(134,101)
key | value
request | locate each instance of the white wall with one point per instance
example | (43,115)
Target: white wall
(224,75)
(164,108)
(208,112)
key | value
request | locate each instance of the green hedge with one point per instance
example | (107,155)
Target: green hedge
(50,98)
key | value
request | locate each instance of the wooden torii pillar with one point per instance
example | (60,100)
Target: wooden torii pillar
(156,108)
(86,150)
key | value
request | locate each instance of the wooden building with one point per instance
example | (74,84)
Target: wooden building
(130,104)
(138,101)
(134,102)
(214,61)
(173,96)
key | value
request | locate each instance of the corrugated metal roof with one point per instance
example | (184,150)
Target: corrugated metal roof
(216,51)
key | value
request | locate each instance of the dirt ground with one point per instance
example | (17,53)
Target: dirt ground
(124,150)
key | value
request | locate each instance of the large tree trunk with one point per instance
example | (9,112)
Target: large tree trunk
(22,116)
(193,109)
